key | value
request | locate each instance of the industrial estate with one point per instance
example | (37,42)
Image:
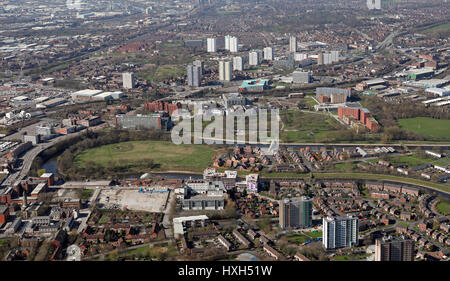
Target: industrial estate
(91,92)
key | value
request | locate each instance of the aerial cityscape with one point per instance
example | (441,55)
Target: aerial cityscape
(225,130)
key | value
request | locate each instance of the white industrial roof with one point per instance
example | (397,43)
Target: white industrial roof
(38,188)
(87,92)
(178,222)
(46,175)
(21,98)
(191,218)
(103,95)
(41,99)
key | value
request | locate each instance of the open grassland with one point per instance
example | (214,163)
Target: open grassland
(314,234)
(297,238)
(442,27)
(410,160)
(167,155)
(432,129)
(443,207)
(301,126)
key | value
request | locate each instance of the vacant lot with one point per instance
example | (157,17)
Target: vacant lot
(165,154)
(134,200)
(432,129)
(301,126)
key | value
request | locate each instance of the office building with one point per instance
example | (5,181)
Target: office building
(300,56)
(334,56)
(320,59)
(327,58)
(268,53)
(394,249)
(194,75)
(238,63)
(233,99)
(203,195)
(225,70)
(292,44)
(254,85)
(211,45)
(301,77)
(286,62)
(295,212)
(340,232)
(128,80)
(253,58)
(144,122)
(200,64)
(332,95)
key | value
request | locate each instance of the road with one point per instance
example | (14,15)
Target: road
(91,205)
(29,155)
(445,146)
(166,218)
(387,42)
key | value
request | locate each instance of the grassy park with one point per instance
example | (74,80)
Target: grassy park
(443,207)
(432,129)
(314,234)
(167,155)
(297,238)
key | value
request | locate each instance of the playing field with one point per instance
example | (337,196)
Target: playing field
(168,155)
(432,129)
(443,207)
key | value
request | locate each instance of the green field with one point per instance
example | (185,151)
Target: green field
(297,238)
(300,126)
(351,257)
(158,74)
(167,155)
(345,166)
(431,129)
(443,207)
(314,235)
(410,160)
(442,27)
